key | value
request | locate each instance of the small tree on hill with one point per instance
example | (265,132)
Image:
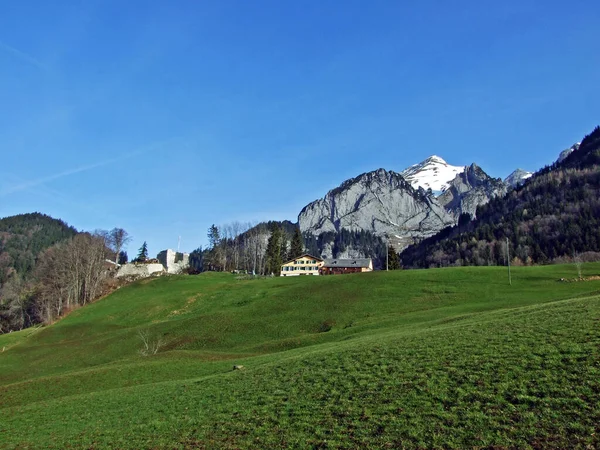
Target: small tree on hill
(143,253)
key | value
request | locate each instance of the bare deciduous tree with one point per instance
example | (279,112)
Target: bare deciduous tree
(71,274)
(150,344)
(117,239)
(578,264)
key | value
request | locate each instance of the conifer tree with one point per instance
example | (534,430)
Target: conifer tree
(143,253)
(216,254)
(274,251)
(297,247)
(393,259)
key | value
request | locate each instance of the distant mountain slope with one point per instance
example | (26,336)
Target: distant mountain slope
(469,190)
(555,214)
(381,202)
(567,152)
(24,236)
(433,173)
(517,177)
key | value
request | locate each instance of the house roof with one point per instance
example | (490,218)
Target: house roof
(302,256)
(356,262)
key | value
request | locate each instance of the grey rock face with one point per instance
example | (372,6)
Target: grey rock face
(470,189)
(517,177)
(567,152)
(381,202)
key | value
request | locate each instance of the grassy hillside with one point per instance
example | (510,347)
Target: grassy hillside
(446,358)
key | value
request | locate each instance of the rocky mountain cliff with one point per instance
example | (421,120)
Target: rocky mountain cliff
(381,202)
(403,208)
(563,155)
(470,189)
(517,177)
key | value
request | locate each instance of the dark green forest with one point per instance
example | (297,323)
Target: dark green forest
(554,215)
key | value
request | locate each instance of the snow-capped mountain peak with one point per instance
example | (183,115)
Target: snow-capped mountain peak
(433,172)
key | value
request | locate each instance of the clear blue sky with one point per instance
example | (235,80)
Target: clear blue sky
(165,117)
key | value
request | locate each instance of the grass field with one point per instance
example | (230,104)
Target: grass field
(447,358)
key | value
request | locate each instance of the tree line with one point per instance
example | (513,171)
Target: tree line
(249,247)
(72,272)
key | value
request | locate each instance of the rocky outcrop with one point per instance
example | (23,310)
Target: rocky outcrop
(563,155)
(517,177)
(381,202)
(470,189)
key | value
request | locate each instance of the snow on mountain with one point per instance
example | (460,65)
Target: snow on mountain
(434,173)
(517,177)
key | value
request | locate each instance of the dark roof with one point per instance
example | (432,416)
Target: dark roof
(303,255)
(356,262)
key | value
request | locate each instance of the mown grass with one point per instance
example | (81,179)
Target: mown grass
(447,358)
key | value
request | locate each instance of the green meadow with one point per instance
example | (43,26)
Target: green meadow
(440,358)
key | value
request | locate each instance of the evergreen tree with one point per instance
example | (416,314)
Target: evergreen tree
(297,247)
(273,253)
(123,258)
(216,254)
(393,259)
(283,250)
(143,253)
(214,236)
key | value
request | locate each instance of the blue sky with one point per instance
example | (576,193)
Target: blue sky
(165,117)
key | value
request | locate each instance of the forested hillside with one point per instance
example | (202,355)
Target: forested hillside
(555,214)
(48,268)
(23,237)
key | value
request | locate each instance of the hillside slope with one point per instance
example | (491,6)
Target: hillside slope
(438,358)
